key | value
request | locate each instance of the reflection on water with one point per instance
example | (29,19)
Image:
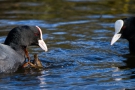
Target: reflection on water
(78,35)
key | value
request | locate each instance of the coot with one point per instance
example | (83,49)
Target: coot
(13,51)
(125,28)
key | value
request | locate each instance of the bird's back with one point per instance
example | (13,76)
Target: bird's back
(10,60)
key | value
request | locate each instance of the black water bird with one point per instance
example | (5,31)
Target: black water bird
(13,51)
(125,28)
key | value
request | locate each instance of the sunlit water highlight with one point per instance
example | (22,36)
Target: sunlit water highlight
(78,35)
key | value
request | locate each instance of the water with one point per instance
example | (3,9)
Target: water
(78,35)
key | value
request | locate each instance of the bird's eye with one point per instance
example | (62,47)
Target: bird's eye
(36,34)
(123,27)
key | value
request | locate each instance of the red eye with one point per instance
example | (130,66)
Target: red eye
(123,27)
(36,34)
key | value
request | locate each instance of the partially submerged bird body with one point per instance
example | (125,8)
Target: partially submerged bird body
(14,52)
(125,28)
(9,59)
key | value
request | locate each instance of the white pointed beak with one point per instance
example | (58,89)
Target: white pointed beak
(115,38)
(118,26)
(42,44)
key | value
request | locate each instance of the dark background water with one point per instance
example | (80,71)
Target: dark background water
(78,35)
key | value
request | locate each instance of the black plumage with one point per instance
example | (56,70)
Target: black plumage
(13,51)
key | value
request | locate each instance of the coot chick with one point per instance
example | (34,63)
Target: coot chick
(14,50)
(36,63)
(125,28)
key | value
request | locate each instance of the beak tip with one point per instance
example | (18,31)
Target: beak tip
(46,50)
(115,38)
(43,45)
(111,44)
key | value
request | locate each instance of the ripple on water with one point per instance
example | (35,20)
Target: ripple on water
(78,35)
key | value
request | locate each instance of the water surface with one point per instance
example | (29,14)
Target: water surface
(78,35)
